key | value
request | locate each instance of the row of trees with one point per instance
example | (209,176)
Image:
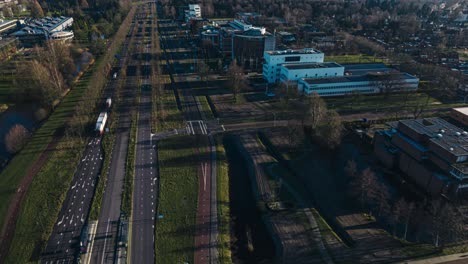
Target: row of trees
(439,219)
(43,79)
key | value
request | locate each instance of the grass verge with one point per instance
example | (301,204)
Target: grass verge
(224,214)
(205,107)
(130,173)
(178,200)
(43,202)
(19,166)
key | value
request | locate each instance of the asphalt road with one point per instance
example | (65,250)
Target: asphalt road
(106,233)
(63,244)
(145,191)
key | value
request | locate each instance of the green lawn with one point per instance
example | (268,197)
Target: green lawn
(18,167)
(6,88)
(178,200)
(165,111)
(224,217)
(43,202)
(205,107)
(358,58)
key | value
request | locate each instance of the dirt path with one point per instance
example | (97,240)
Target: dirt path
(18,198)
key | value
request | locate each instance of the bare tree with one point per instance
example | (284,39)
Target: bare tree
(36,9)
(351,169)
(236,78)
(202,70)
(407,214)
(364,186)
(387,82)
(330,129)
(16,138)
(316,112)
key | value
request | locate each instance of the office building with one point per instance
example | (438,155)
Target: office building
(460,115)
(36,31)
(364,84)
(248,47)
(431,152)
(294,72)
(193,11)
(7,25)
(273,60)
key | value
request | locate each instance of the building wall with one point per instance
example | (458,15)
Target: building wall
(296,74)
(416,153)
(346,88)
(460,117)
(248,51)
(272,63)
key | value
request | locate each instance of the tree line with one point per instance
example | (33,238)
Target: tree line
(434,218)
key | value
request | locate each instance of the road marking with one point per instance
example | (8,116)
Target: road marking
(60,222)
(204,176)
(191,126)
(105,240)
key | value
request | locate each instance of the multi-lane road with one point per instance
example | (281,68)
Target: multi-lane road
(65,238)
(145,190)
(105,237)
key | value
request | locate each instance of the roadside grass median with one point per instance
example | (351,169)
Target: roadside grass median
(178,200)
(167,115)
(127,193)
(205,107)
(224,214)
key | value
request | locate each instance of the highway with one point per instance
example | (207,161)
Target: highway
(145,191)
(103,249)
(64,241)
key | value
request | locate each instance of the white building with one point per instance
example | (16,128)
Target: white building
(194,11)
(365,84)
(274,59)
(294,72)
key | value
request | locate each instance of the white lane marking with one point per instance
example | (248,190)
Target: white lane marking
(204,175)
(105,240)
(191,126)
(206,128)
(60,222)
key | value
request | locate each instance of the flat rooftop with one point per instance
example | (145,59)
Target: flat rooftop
(292,52)
(299,66)
(363,68)
(353,78)
(444,134)
(461,110)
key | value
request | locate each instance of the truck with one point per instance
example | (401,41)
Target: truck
(101,123)
(108,102)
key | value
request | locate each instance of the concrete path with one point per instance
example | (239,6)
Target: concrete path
(460,258)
